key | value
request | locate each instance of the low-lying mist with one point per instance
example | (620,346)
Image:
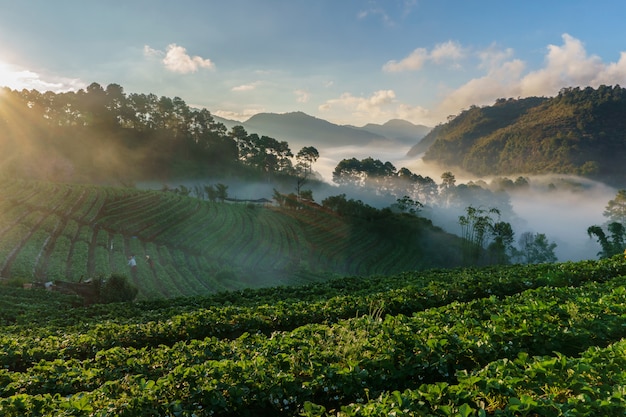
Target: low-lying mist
(561,207)
(564,213)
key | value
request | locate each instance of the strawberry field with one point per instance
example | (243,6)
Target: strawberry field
(543,340)
(71,232)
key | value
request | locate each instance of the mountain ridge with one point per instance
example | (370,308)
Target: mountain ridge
(579,132)
(301,129)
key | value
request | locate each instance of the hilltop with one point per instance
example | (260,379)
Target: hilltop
(51,231)
(580,132)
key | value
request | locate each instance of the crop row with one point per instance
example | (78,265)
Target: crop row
(593,384)
(401,293)
(153,323)
(329,365)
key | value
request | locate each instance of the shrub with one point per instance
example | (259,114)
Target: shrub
(115,288)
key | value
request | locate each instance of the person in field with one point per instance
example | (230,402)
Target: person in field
(150,261)
(132,263)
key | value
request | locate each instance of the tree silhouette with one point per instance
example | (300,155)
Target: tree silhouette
(612,244)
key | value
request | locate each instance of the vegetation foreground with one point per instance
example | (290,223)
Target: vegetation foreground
(542,340)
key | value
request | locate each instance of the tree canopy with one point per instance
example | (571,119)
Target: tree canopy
(581,131)
(100,134)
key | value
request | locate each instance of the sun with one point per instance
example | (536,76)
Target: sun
(12,77)
(19,78)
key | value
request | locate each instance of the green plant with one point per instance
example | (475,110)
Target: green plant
(115,288)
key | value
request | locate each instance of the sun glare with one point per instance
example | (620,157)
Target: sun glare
(12,77)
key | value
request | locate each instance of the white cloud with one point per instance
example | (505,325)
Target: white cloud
(443,52)
(373,104)
(499,82)
(613,73)
(148,51)
(240,116)
(448,50)
(374,11)
(244,87)
(492,57)
(413,62)
(18,79)
(379,107)
(567,65)
(176,59)
(302,96)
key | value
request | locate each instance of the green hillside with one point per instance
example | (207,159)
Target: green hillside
(580,131)
(535,340)
(51,231)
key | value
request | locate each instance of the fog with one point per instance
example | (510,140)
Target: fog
(564,214)
(559,206)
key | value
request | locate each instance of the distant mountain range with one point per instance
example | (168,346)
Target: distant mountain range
(580,132)
(300,129)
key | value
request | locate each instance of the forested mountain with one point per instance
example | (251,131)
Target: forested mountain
(580,131)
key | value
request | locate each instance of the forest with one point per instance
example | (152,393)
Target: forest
(103,135)
(578,132)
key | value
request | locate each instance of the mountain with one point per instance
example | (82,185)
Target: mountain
(399,130)
(579,132)
(300,129)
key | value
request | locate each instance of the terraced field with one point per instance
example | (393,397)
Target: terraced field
(71,232)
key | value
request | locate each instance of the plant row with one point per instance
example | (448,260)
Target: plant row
(327,365)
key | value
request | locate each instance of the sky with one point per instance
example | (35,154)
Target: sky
(345,61)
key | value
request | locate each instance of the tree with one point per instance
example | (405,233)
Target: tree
(534,248)
(366,172)
(407,205)
(221,191)
(240,136)
(306,195)
(447,187)
(349,172)
(611,245)
(447,180)
(306,157)
(211,192)
(501,247)
(279,197)
(183,190)
(476,226)
(616,208)
(198,191)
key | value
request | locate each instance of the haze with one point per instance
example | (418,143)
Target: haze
(346,62)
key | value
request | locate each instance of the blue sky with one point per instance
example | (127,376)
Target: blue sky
(346,61)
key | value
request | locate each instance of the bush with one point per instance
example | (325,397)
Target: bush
(115,288)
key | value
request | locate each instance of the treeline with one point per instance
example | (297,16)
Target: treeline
(104,134)
(580,132)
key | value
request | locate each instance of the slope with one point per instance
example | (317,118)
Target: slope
(51,231)
(580,132)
